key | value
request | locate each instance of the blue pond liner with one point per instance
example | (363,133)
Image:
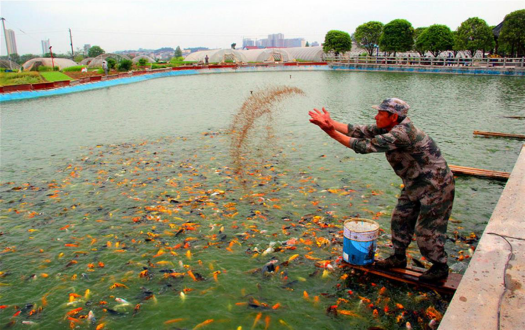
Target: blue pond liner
(359,244)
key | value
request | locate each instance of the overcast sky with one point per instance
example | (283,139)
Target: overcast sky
(123,25)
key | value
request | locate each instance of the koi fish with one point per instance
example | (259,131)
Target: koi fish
(202,324)
(174,320)
(91,317)
(118,285)
(29,323)
(122,301)
(257,318)
(74,311)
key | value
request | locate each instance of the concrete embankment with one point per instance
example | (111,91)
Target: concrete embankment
(491,294)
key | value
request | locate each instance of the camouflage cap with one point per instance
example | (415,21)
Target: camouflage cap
(393,105)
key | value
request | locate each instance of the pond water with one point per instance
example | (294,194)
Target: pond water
(129,192)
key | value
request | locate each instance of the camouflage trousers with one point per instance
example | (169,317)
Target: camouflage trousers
(427,217)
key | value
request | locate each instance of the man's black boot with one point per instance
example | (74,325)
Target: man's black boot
(436,273)
(394,261)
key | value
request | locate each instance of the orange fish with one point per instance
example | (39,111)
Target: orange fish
(257,318)
(174,320)
(202,324)
(74,311)
(191,275)
(267,322)
(118,285)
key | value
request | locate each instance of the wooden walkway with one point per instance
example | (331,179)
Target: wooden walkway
(503,135)
(463,170)
(411,275)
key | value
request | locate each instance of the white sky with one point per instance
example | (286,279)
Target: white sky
(121,25)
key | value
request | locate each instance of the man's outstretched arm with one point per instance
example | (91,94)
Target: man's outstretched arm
(334,129)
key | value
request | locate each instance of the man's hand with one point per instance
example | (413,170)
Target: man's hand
(321,119)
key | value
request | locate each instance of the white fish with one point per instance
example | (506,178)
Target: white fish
(29,323)
(122,301)
(91,317)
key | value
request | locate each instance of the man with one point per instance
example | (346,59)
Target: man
(105,67)
(425,202)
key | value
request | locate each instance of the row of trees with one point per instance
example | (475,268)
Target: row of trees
(399,36)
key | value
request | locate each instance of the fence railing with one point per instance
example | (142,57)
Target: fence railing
(429,61)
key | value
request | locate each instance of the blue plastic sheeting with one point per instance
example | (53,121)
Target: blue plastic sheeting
(17,96)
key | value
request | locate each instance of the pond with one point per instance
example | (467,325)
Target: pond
(124,202)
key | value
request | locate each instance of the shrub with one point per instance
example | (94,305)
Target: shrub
(125,65)
(142,62)
(44,68)
(75,68)
(112,63)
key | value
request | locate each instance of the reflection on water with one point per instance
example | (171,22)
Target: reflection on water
(133,185)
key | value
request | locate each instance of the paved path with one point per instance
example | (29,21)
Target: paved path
(491,294)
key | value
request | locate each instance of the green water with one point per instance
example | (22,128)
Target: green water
(112,176)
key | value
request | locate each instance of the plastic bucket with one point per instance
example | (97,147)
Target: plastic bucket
(359,244)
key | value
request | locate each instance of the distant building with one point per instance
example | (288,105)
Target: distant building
(248,42)
(45,46)
(276,40)
(314,44)
(86,49)
(11,42)
(297,42)
(273,41)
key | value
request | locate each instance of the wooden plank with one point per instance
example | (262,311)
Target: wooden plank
(514,117)
(497,134)
(463,170)
(411,276)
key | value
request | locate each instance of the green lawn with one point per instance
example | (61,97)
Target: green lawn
(55,76)
(19,78)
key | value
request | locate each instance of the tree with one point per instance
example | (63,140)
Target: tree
(307,44)
(26,57)
(233,45)
(337,41)
(417,33)
(435,39)
(398,36)
(367,35)
(178,52)
(474,34)
(95,51)
(512,35)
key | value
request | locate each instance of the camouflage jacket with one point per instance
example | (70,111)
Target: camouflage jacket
(413,155)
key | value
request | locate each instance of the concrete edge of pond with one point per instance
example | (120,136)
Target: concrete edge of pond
(491,294)
(25,95)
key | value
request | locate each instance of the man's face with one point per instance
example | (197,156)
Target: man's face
(384,119)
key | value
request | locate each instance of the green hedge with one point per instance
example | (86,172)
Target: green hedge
(45,68)
(76,68)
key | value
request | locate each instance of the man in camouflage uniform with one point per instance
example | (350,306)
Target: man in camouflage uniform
(425,202)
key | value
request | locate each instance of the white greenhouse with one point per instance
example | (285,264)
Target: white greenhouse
(61,63)
(313,54)
(217,56)
(147,58)
(97,61)
(267,55)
